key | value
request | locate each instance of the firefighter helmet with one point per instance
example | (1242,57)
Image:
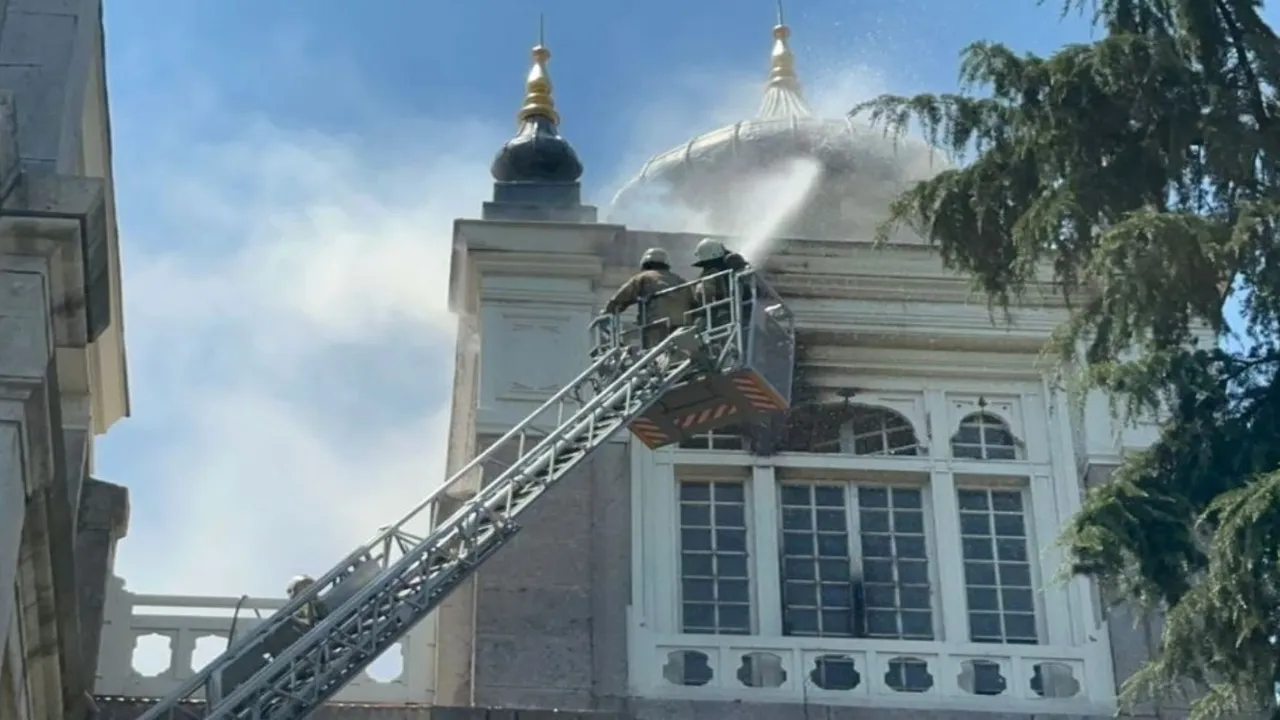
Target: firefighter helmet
(298,584)
(709,250)
(655,258)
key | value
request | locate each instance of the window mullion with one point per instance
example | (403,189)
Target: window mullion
(765,522)
(950,564)
(855,559)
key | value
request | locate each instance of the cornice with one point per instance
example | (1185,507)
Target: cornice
(929,319)
(908,362)
(891,283)
(539,238)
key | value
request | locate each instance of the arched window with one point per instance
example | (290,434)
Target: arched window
(814,429)
(880,431)
(983,436)
(850,430)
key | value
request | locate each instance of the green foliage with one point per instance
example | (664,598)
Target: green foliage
(1141,174)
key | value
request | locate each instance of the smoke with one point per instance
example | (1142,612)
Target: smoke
(290,347)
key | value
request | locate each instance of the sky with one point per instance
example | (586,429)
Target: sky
(286,184)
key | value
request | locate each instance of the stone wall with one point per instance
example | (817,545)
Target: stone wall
(103,521)
(550,608)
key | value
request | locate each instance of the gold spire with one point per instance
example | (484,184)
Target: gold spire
(782,63)
(783,97)
(537,87)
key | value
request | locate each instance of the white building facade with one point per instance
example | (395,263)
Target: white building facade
(888,552)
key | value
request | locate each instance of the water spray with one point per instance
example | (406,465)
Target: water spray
(775,198)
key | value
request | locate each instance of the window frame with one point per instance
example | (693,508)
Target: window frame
(710,476)
(934,471)
(1029,520)
(849,483)
(849,438)
(983,421)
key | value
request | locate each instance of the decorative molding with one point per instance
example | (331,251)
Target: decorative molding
(530,264)
(843,314)
(855,257)
(538,290)
(535,238)
(829,362)
(535,350)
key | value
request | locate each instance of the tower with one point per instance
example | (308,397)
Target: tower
(890,552)
(536,173)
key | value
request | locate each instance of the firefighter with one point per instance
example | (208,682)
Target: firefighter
(307,613)
(659,315)
(713,258)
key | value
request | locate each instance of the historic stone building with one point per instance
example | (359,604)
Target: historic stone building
(62,357)
(886,553)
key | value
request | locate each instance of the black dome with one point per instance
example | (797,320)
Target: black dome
(537,154)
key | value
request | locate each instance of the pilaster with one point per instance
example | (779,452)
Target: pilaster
(46,328)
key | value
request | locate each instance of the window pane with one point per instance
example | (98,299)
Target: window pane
(817,589)
(973,500)
(714,579)
(999,594)
(913,572)
(826,592)
(730,515)
(833,520)
(874,521)
(895,563)
(873,498)
(692,515)
(982,436)
(793,519)
(700,492)
(697,564)
(698,617)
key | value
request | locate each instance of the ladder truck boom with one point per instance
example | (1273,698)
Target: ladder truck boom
(284,669)
(332,628)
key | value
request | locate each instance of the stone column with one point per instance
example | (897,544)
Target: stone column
(103,521)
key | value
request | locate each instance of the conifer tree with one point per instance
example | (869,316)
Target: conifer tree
(1144,169)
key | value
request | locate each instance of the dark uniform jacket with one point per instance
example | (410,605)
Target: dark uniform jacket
(711,289)
(641,288)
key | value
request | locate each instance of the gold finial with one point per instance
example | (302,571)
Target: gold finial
(782,64)
(537,87)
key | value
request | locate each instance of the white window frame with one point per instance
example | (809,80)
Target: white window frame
(656,529)
(1039,598)
(850,482)
(712,474)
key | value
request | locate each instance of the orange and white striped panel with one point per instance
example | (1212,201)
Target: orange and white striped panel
(760,395)
(711,414)
(649,433)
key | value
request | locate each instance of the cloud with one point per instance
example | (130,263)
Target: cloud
(290,345)
(290,350)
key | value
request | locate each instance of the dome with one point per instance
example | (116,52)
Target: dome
(537,153)
(731,179)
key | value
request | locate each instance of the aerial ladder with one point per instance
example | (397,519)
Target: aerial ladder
(731,362)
